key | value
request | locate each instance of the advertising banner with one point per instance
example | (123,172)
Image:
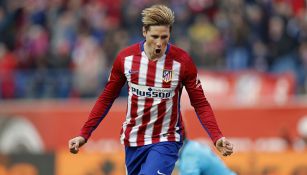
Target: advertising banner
(27,164)
(39,127)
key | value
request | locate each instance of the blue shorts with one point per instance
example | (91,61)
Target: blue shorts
(159,158)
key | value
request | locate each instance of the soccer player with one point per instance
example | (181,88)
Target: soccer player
(198,159)
(156,72)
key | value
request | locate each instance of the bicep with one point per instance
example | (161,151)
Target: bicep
(190,77)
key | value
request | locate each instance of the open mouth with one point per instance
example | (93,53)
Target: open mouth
(158,51)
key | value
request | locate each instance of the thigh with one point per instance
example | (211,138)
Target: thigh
(135,158)
(161,159)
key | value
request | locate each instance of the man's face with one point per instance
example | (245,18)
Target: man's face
(157,38)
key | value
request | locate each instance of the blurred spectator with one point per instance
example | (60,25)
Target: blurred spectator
(89,61)
(237,51)
(8,65)
(206,41)
(302,69)
(36,47)
(260,56)
(281,46)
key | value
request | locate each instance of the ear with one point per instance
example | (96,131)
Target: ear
(144,31)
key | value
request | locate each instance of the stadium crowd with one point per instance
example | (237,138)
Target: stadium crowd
(64,48)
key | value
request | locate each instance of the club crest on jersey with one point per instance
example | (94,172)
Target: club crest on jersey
(167,75)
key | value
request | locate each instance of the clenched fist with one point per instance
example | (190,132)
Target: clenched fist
(75,143)
(224,146)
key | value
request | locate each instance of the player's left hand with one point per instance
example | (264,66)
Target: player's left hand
(74,144)
(224,146)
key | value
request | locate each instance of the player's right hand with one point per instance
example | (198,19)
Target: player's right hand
(75,143)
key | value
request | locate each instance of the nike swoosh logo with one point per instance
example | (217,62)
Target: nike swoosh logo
(160,173)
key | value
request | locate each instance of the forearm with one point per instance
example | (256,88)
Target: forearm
(207,119)
(204,112)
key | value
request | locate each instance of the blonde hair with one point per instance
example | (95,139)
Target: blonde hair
(157,15)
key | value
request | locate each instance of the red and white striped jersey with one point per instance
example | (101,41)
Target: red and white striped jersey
(154,86)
